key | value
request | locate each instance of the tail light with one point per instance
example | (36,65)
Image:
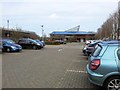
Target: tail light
(94,64)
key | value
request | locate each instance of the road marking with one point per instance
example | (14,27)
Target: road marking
(60,49)
(76,71)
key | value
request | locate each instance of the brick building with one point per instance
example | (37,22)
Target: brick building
(16,34)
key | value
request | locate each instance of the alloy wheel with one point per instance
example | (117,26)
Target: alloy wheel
(114,84)
(34,47)
(8,50)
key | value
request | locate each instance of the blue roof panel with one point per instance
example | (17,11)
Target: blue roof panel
(71,33)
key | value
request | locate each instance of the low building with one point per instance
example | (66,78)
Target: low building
(16,34)
(72,35)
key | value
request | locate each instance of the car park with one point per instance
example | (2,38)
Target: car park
(103,67)
(27,43)
(10,46)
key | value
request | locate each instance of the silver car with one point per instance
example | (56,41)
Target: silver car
(104,65)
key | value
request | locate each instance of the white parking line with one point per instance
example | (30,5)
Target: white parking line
(60,49)
(76,71)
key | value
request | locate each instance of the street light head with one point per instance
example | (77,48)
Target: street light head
(41,25)
(7,21)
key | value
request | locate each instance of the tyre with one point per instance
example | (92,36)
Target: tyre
(113,83)
(8,50)
(34,47)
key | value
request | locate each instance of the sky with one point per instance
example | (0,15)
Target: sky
(55,15)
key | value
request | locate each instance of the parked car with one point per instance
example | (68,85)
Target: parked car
(60,41)
(104,65)
(88,42)
(1,47)
(10,46)
(88,49)
(27,43)
(84,49)
(43,43)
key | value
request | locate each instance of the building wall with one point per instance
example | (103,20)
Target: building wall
(16,35)
(73,38)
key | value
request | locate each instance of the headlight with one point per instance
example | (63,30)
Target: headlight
(85,48)
(38,44)
(13,47)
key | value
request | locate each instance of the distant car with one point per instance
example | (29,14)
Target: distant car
(88,42)
(88,49)
(1,47)
(10,46)
(41,43)
(84,49)
(91,48)
(27,43)
(104,65)
(60,41)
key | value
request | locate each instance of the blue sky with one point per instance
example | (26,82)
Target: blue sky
(56,14)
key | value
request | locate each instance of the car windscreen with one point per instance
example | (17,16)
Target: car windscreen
(97,51)
(8,41)
(34,41)
(38,41)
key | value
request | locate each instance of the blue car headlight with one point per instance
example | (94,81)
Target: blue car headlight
(13,47)
(38,44)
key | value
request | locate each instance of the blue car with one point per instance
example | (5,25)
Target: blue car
(28,43)
(104,65)
(10,46)
(41,43)
(1,47)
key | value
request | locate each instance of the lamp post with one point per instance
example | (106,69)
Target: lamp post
(118,33)
(42,31)
(8,34)
(8,24)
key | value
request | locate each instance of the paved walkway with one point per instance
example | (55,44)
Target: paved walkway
(61,66)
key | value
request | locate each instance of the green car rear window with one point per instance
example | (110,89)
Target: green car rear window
(118,54)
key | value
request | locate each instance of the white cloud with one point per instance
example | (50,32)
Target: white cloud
(54,16)
(59,1)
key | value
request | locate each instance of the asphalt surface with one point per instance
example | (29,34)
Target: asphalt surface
(0,70)
(61,66)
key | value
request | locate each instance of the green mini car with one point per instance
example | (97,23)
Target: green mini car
(103,66)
